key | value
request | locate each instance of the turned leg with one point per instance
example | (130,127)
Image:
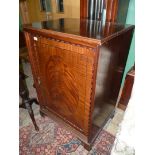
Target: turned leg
(26,101)
(30,111)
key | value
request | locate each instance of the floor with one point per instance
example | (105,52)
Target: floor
(111,126)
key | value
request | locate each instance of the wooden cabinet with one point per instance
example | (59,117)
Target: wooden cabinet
(75,68)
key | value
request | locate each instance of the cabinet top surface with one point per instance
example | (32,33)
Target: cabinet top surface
(81,27)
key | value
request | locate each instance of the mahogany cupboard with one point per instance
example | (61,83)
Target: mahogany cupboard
(75,63)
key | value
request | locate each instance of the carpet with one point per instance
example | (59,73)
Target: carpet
(53,139)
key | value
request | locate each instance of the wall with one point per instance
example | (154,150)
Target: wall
(34,10)
(130,20)
(123,6)
(71,10)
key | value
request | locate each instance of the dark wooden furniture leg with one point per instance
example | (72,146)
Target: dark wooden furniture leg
(26,101)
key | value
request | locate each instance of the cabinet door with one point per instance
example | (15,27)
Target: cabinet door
(65,70)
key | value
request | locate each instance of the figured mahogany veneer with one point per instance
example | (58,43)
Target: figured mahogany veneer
(75,64)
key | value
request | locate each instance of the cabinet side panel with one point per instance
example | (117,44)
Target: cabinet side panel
(121,46)
(111,65)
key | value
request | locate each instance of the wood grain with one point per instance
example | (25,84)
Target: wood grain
(70,65)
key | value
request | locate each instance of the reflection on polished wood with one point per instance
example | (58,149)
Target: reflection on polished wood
(94,29)
(75,65)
